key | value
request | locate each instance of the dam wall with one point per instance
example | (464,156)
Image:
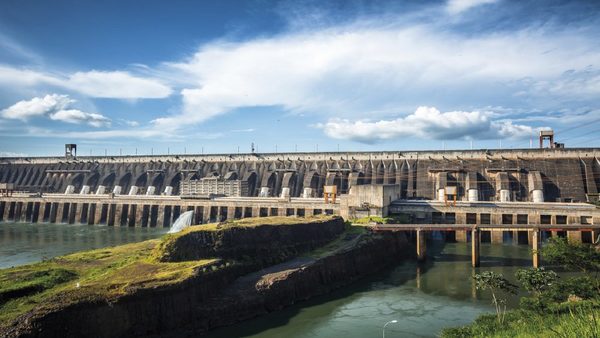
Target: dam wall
(537,175)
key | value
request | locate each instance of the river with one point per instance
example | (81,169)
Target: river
(423,298)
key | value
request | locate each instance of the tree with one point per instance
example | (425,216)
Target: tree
(536,280)
(582,257)
(497,284)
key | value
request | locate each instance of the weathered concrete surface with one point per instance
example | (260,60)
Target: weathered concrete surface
(567,174)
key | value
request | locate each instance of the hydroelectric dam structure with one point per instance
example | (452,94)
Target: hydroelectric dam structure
(519,189)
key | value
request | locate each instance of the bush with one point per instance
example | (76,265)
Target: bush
(584,287)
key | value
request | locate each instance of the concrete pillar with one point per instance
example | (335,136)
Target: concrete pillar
(497,236)
(504,195)
(530,237)
(537,196)
(151,190)
(282,211)
(461,236)
(285,192)
(41,211)
(421,245)
(101,190)
(70,189)
(59,212)
(475,247)
(574,237)
(515,237)
(264,192)
(118,211)
(441,194)
(133,190)
(160,216)
(168,190)
(307,193)
(85,190)
(117,190)
(231,212)
(139,212)
(535,247)
(473,195)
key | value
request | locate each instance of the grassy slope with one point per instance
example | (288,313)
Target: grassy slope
(579,320)
(105,274)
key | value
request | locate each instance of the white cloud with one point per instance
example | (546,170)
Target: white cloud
(102,84)
(56,107)
(371,69)
(459,6)
(118,84)
(38,106)
(428,123)
(77,116)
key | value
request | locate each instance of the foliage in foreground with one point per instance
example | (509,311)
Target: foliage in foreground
(556,308)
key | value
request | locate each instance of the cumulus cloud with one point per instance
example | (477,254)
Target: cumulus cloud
(101,84)
(38,106)
(56,107)
(427,123)
(459,6)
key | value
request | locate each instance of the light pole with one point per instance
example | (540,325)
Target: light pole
(386,324)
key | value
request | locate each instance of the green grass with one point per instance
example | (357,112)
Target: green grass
(396,219)
(258,221)
(344,239)
(580,319)
(104,274)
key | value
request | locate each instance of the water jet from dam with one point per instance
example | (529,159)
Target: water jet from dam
(182,222)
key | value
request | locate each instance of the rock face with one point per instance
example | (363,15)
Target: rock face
(221,297)
(265,243)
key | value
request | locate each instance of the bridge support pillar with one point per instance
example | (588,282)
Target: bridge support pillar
(421,245)
(535,247)
(475,247)
(461,236)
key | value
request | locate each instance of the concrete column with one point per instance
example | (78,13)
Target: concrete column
(206,214)
(461,236)
(101,190)
(91,214)
(535,247)
(497,237)
(160,216)
(307,193)
(473,195)
(5,211)
(133,190)
(574,237)
(118,212)
(421,245)
(264,192)
(41,212)
(529,237)
(475,247)
(461,218)
(85,190)
(70,189)
(59,212)
(151,190)
(285,192)
(117,190)
(139,212)
(98,214)
(441,194)
(72,213)
(504,195)
(231,212)
(515,237)
(168,190)
(537,196)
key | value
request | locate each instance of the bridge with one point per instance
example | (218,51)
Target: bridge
(533,230)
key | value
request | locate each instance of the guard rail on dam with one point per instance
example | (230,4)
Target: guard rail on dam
(536,175)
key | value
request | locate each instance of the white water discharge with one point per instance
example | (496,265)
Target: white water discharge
(183,221)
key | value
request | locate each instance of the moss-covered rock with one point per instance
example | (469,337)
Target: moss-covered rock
(264,240)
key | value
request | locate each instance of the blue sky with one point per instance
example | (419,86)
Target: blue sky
(193,76)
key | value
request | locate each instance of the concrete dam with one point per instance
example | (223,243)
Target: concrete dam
(500,188)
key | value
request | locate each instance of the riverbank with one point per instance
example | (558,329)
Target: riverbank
(133,291)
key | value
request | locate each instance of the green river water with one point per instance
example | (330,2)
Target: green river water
(423,298)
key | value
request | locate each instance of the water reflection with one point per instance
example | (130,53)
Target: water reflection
(27,243)
(424,298)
